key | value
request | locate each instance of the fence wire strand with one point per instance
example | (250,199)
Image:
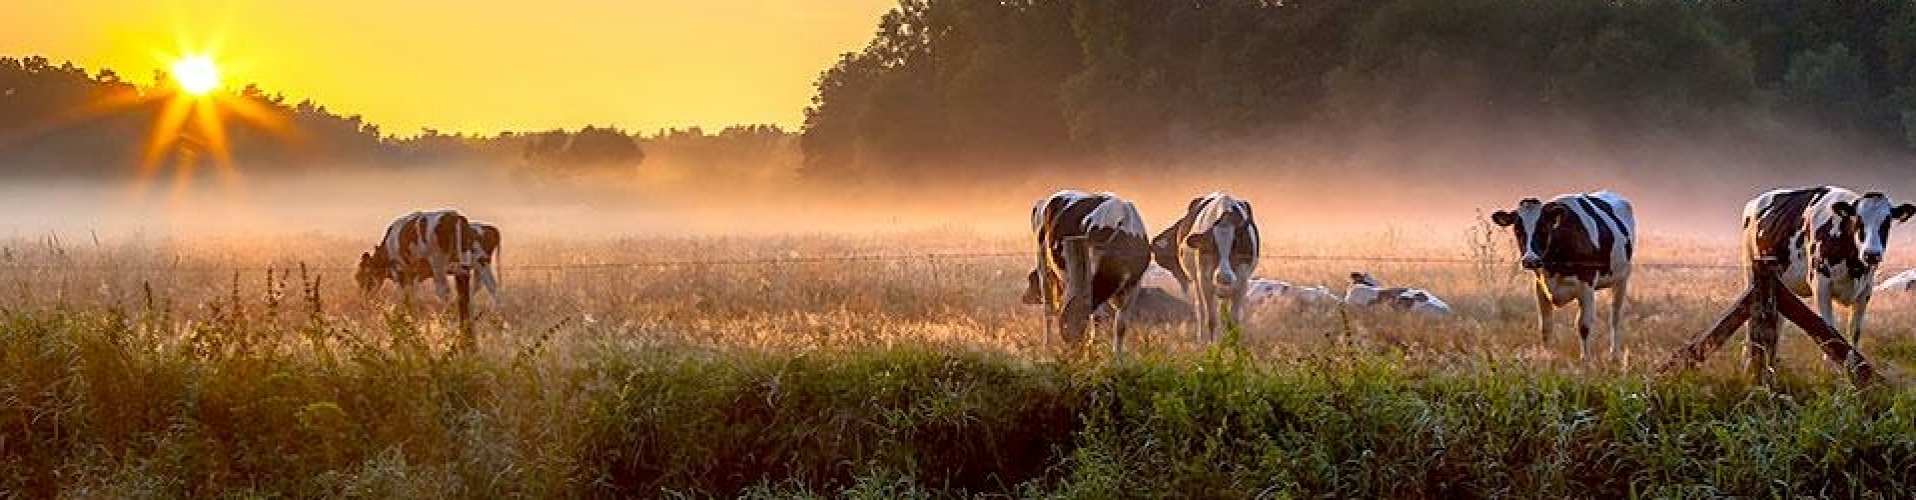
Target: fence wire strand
(776,261)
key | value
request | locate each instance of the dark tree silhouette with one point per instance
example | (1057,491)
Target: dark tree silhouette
(999,85)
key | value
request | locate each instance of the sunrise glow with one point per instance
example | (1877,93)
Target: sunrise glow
(196,75)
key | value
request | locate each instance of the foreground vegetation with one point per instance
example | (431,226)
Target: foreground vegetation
(122,378)
(96,405)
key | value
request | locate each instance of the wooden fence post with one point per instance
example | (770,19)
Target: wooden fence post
(1760,352)
(1761,304)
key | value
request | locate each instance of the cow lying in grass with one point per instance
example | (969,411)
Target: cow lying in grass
(1366,291)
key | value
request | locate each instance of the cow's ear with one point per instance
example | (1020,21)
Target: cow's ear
(1843,209)
(365,256)
(1502,218)
(1903,212)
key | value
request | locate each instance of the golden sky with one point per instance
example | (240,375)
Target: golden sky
(477,65)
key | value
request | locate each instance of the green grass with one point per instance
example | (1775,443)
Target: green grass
(95,403)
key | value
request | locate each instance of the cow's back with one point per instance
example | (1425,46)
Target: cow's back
(1067,217)
(1775,223)
(415,240)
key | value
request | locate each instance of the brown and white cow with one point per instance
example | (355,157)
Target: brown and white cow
(1092,253)
(1214,245)
(419,246)
(1576,244)
(1830,241)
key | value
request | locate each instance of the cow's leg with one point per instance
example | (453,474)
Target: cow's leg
(1207,313)
(1120,310)
(1078,308)
(1544,308)
(1856,312)
(1586,318)
(1046,297)
(1618,294)
(1200,322)
(1821,294)
(1239,294)
(438,264)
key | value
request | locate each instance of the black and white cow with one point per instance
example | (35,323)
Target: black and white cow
(1214,245)
(1366,291)
(1576,244)
(419,246)
(1263,290)
(1092,252)
(1832,240)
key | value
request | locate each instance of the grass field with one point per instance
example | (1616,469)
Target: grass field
(149,368)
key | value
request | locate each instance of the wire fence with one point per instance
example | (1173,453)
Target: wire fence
(800,260)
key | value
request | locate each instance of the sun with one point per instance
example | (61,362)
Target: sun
(196,75)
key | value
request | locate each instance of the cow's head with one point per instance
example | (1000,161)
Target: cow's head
(371,271)
(1867,220)
(1216,234)
(1534,223)
(1033,295)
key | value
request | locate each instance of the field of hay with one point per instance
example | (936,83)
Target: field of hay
(759,366)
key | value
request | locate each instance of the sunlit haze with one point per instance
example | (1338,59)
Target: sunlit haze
(478,66)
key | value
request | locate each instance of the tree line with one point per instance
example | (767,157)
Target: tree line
(955,84)
(62,120)
(1001,86)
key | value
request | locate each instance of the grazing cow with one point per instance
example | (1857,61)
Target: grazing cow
(1264,290)
(418,246)
(1829,230)
(1091,252)
(1366,291)
(483,236)
(1576,244)
(1214,245)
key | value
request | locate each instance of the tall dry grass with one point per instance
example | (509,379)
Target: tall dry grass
(152,368)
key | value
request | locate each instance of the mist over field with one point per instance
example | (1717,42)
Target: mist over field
(1420,190)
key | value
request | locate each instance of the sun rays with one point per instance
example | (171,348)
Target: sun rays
(190,130)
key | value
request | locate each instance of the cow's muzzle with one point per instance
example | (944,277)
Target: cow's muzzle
(1532,263)
(1872,258)
(1223,280)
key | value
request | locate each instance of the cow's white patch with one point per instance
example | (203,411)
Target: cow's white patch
(1118,214)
